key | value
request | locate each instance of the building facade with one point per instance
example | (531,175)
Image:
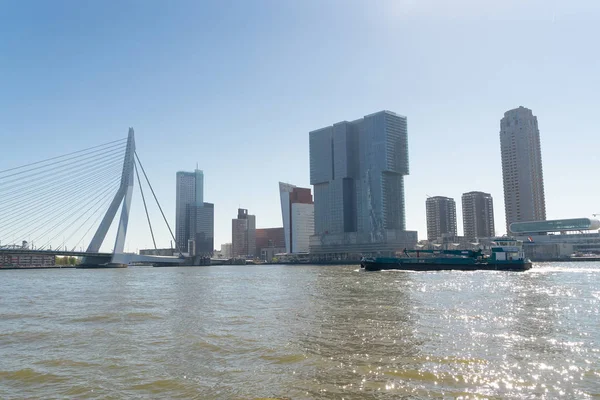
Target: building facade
(159,252)
(303,227)
(441,217)
(478,215)
(357,171)
(561,239)
(185,196)
(522,174)
(26,260)
(243,234)
(269,238)
(298,215)
(194,219)
(226,251)
(269,254)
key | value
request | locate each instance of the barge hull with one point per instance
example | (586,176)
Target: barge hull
(425,266)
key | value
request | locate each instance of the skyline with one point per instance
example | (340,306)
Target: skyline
(77,77)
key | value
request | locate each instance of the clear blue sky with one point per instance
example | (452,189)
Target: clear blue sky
(236,86)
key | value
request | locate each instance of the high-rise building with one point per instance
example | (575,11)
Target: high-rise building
(298,214)
(194,219)
(478,215)
(357,170)
(186,195)
(441,217)
(243,234)
(522,173)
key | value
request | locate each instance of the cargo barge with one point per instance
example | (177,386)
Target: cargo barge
(505,255)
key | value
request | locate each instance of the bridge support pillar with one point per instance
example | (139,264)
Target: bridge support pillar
(122,199)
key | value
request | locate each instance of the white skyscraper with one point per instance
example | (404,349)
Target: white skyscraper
(298,215)
(522,174)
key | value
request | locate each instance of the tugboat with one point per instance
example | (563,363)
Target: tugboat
(506,255)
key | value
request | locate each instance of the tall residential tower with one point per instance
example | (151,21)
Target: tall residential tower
(478,215)
(441,217)
(524,198)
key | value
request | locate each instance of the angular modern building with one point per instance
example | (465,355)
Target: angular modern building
(441,217)
(357,171)
(194,219)
(478,215)
(243,234)
(522,173)
(298,215)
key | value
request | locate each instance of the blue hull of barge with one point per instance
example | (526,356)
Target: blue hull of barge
(443,264)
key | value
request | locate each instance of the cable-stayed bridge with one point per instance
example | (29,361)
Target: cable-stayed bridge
(50,207)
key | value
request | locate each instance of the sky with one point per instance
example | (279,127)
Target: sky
(235,87)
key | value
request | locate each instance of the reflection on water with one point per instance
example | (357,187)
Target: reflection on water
(299,332)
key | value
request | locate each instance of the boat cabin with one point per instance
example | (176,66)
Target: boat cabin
(507,249)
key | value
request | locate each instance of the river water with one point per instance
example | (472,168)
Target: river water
(299,332)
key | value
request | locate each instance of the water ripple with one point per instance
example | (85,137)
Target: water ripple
(300,332)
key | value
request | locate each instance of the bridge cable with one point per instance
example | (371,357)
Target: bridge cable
(36,195)
(29,215)
(56,194)
(66,211)
(64,155)
(157,202)
(74,191)
(41,217)
(144,200)
(95,223)
(59,166)
(108,188)
(106,194)
(50,217)
(104,205)
(56,177)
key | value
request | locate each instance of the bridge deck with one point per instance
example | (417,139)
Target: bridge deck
(122,258)
(54,252)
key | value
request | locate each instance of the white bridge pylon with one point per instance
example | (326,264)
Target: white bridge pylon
(123,199)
